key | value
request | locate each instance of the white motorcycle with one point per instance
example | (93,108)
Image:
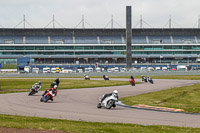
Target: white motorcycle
(33,90)
(108,102)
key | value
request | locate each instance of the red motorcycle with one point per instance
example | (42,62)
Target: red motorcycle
(132,82)
(49,95)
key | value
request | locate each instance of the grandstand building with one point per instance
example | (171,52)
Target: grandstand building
(89,46)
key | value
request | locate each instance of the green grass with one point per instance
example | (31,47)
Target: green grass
(86,127)
(187,98)
(18,85)
(8,66)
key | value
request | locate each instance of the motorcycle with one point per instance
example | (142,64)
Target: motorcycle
(108,102)
(132,82)
(151,81)
(144,79)
(33,90)
(105,77)
(48,96)
(86,77)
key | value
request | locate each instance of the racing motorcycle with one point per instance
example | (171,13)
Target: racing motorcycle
(48,96)
(33,90)
(132,82)
(86,77)
(105,77)
(150,80)
(144,79)
(108,102)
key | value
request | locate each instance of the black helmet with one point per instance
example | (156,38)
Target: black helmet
(40,82)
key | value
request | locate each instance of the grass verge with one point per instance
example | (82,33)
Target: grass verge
(20,85)
(85,127)
(187,98)
(8,66)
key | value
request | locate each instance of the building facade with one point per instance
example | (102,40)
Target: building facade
(88,46)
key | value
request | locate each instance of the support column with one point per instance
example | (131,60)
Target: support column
(128,38)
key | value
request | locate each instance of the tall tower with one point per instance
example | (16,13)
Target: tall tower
(128,38)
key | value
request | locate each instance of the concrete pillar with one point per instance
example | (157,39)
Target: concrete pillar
(128,38)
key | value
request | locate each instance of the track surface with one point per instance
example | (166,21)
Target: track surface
(80,104)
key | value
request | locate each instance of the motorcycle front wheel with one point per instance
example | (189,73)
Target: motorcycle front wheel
(31,93)
(47,98)
(110,104)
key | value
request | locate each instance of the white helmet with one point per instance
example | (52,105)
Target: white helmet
(115,92)
(55,87)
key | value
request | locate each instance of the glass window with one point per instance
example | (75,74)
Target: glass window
(187,47)
(2,48)
(59,48)
(176,47)
(19,48)
(39,48)
(79,47)
(59,53)
(29,47)
(49,48)
(98,47)
(119,47)
(69,47)
(30,53)
(108,47)
(9,48)
(69,53)
(88,47)
(7,53)
(137,47)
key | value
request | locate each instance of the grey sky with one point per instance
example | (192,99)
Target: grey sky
(98,12)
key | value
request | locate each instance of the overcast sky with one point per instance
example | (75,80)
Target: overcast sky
(97,13)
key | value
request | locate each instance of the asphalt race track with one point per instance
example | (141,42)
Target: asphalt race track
(80,104)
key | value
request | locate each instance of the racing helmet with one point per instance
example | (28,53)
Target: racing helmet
(55,87)
(39,82)
(115,92)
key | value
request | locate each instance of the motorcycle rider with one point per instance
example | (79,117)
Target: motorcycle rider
(105,77)
(149,78)
(55,82)
(37,86)
(144,78)
(86,76)
(132,79)
(54,91)
(115,92)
